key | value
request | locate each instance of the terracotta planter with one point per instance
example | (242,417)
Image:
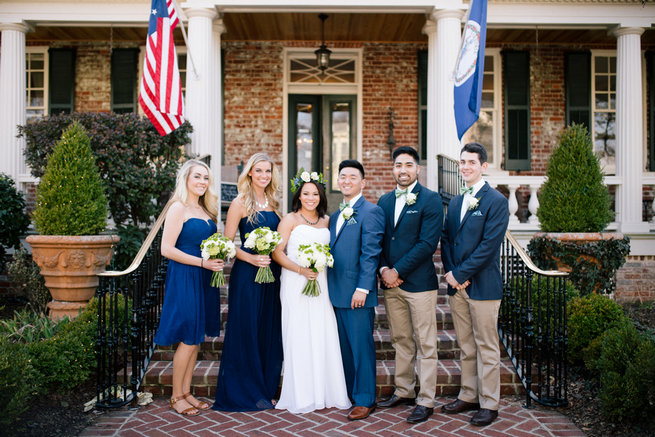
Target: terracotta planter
(70,265)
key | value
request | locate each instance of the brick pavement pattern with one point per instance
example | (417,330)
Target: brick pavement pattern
(157,419)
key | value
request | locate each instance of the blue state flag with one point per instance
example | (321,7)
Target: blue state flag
(469,69)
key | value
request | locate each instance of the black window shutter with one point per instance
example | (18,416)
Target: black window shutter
(578,88)
(650,68)
(61,86)
(516,72)
(124,64)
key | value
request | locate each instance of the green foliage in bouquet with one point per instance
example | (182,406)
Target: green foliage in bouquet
(574,197)
(70,196)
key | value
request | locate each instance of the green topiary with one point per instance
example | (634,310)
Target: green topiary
(574,197)
(70,196)
(13,220)
(588,318)
(627,374)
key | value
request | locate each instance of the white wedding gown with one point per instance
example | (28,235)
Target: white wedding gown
(313,376)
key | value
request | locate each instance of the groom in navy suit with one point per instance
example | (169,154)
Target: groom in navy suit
(356,231)
(414,218)
(475,227)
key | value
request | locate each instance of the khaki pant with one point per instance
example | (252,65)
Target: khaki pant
(413,323)
(476,327)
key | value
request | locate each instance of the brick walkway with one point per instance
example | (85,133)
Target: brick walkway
(157,419)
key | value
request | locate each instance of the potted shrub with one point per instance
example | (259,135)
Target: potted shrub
(574,211)
(70,213)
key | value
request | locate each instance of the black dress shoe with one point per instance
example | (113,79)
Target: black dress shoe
(459,406)
(394,401)
(484,417)
(420,414)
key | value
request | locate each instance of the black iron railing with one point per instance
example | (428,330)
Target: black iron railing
(532,321)
(129,305)
(533,326)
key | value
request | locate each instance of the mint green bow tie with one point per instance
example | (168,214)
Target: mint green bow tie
(401,192)
(465,190)
(343,205)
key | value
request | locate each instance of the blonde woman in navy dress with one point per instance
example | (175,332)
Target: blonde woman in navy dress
(251,360)
(191,307)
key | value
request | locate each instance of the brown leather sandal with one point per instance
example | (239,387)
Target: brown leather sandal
(186,412)
(201,405)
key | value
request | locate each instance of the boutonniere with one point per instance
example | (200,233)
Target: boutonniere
(348,215)
(473,203)
(410,198)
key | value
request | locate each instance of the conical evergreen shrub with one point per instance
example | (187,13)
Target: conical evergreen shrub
(574,197)
(70,197)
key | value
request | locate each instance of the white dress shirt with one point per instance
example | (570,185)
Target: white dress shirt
(400,202)
(469,197)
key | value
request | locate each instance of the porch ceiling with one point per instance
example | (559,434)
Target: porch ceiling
(339,27)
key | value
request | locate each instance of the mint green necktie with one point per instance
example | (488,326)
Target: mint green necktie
(343,205)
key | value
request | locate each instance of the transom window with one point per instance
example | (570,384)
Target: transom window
(303,69)
(603,75)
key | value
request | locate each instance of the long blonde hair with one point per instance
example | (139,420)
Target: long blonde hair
(247,193)
(208,201)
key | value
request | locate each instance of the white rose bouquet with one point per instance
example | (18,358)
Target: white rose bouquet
(217,246)
(263,241)
(315,256)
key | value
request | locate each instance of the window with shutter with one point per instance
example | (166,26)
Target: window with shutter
(124,64)
(62,81)
(516,72)
(650,59)
(578,88)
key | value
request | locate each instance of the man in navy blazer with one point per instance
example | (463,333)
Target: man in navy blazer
(413,222)
(475,227)
(355,242)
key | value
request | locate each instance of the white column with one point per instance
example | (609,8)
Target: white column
(217,99)
(444,33)
(200,100)
(629,125)
(12,97)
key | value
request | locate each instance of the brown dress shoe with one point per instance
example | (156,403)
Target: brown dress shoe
(358,413)
(484,417)
(394,401)
(459,406)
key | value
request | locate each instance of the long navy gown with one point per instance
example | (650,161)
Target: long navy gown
(251,361)
(191,306)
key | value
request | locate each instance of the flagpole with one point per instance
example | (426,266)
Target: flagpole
(186,41)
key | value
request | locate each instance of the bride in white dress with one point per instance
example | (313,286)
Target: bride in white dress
(313,376)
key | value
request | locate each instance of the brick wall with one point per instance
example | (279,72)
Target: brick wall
(635,281)
(92,78)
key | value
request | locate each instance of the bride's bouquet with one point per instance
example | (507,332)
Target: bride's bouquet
(263,241)
(316,256)
(217,246)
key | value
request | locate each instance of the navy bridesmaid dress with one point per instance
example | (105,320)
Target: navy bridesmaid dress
(251,360)
(191,306)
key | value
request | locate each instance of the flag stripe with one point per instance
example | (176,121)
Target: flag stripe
(160,94)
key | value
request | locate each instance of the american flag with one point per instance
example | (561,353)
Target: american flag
(161,92)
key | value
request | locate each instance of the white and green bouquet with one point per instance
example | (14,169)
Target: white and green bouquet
(315,256)
(217,246)
(263,241)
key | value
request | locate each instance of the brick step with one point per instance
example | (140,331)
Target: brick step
(212,347)
(159,377)
(444,318)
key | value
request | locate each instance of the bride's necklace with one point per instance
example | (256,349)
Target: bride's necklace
(308,222)
(259,205)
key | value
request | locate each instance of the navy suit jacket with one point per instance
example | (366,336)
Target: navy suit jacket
(410,245)
(356,251)
(471,249)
